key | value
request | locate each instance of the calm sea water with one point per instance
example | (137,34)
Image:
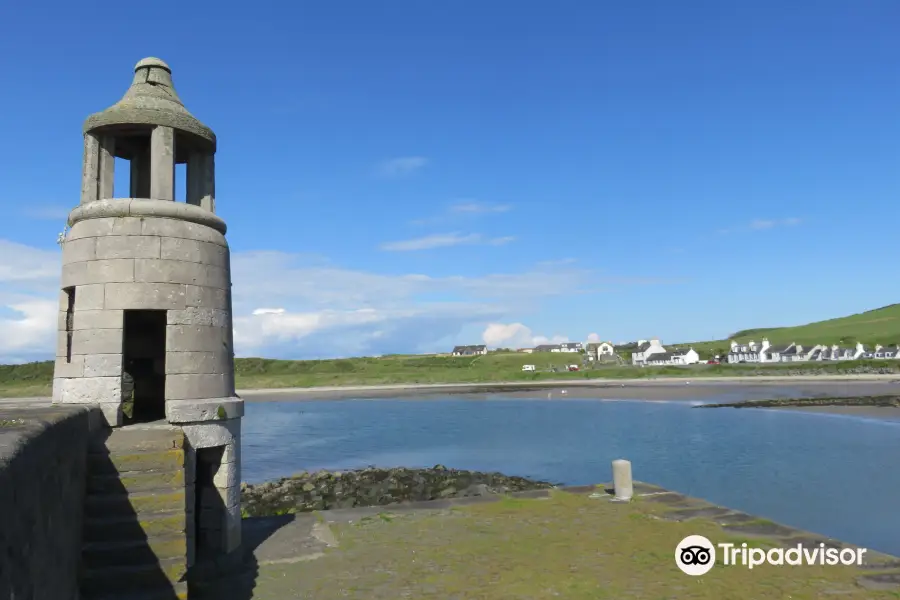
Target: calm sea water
(835,475)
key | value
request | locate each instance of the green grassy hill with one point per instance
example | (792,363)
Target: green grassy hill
(875,326)
(34,379)
(879,326)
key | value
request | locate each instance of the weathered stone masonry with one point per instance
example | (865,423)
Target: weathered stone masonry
(113,264)
(43,468)
(146,281)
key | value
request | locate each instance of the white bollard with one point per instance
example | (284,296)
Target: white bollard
(622,483)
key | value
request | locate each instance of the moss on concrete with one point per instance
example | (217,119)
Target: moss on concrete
(121,462)
(568,546)
(134,482)
(161,526)
(157,502)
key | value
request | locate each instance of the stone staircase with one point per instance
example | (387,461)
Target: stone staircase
(134,542)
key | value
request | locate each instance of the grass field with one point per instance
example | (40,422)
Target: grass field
(567,546)
(879,326)
(34,379)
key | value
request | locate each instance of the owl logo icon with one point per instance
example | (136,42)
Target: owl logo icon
(695,555)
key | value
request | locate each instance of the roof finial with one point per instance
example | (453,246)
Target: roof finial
(150,62)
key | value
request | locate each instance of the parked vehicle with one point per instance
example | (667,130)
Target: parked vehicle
(574,367)
(712,362)
(528,368)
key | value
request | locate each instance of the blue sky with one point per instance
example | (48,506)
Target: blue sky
(401,176)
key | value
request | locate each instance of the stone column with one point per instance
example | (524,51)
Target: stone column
(201,180)
(90,169)
(162,163)
(208,199)
(106,176)
(140,175)
(195,177)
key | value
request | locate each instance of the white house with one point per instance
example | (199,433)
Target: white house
(788,353)
(563,347)
(749,352)
(813,352)
(645,349)
(793,353)
(676,357)
(845,353)
(886,352)
(547,348)
(842,353)
(883,352)
(598,350)
(776,353)
(817,353)
(469,350)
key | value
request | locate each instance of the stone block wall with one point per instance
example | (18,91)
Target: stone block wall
(43,468)
(221,496)
(115,264)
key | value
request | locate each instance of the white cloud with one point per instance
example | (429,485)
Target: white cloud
(297,306)
(21,263)
(365,331)
(501,241)
(762,224)
(479,208)
(47,213)
(464,209)
(516,335)
(268,311)
(557,263)
(771,223)
(593,337)
(404,165)
(444,240)
(31,327)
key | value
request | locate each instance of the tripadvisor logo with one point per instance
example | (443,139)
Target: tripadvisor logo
(696,555)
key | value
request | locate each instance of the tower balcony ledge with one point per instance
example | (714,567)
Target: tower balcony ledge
(142,207)
(204,410)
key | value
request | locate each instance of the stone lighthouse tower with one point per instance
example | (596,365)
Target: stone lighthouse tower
(146,290)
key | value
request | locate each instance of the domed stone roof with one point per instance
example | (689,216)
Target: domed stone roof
(151,100)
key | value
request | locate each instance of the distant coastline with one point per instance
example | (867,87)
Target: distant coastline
(493,371)
(848,394)
(581,385)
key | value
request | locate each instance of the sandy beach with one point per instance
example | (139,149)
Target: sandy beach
(644,389)
(669,389)
(720,389)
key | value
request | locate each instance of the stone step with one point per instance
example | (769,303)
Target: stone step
(136,481)
(179,591)
(116,582)
(133,552)
(137,438)
(120,529)
(135,503)
(128,462)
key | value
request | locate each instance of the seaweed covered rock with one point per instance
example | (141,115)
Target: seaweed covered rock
(323,490)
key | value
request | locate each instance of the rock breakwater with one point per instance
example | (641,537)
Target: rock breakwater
(881,401)
(323,490)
